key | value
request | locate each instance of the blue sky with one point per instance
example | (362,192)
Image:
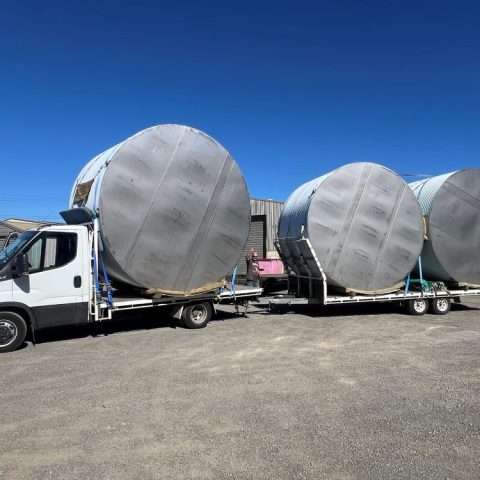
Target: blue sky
(292,89)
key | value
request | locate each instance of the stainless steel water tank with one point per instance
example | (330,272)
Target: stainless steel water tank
(451,204)
(173,206)
(363,223)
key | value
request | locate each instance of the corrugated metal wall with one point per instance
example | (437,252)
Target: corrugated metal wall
(3,236)
(271,209)
(256,240)
(263,230)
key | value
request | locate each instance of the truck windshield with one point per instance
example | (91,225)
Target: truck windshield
(9,252)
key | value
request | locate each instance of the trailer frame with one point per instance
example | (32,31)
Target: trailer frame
(316,290)
(102,307)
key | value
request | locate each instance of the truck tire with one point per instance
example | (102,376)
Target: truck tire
(417,306)
(13,331)
(440,306)
(197,315)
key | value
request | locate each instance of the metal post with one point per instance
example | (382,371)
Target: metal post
(95,264)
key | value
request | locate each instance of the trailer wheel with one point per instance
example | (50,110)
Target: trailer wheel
(197,315)
(417,306)
(13,331)
(440,306)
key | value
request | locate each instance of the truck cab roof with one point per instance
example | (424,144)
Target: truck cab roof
(59,228)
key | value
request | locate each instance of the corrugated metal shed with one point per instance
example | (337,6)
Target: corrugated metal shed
(263,230)
(271,209)
(17,225)
(256,240)
(21,225)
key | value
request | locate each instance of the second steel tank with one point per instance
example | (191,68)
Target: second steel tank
(361,224)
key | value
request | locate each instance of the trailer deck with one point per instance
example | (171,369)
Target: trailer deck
(227,295)
(390,297)
(417,294)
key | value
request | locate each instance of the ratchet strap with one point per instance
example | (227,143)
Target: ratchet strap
(107,283)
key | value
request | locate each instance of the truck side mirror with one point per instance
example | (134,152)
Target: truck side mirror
(20,266)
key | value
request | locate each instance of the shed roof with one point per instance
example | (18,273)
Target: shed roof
(21,224)
(9,226)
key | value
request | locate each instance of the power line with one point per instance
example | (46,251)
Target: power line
(419,175)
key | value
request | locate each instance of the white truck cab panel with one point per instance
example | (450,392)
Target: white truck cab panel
(56,288)
(5,289)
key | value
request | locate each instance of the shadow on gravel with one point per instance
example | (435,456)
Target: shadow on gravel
(223,315)
(338,310)
(461,306)
(127,323)
(132,321)
(347,310)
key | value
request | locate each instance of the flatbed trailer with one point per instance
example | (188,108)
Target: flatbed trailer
(415,302)
(237,295)
(417,295)
(193,311)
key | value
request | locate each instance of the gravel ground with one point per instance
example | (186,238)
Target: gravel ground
(340,393)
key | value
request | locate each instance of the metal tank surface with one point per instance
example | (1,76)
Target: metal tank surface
(361,223)
(451,204)
(173,206)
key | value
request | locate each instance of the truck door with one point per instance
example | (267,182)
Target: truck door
(55,284)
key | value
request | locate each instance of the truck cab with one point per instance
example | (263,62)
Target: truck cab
(44,281)
(49,276)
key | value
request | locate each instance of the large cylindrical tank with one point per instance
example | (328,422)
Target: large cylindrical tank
(451,204)
(173,206)
(363,223)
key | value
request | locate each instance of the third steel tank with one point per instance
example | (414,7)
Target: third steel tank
(451,204)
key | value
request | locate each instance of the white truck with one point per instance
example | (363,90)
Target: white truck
(52,276)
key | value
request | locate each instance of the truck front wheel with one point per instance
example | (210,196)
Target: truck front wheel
(13,331)
(197,315)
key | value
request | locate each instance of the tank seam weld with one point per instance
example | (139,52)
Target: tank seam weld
(392,223)
(200,223)
(134,242)
(214,214)
(353,215)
